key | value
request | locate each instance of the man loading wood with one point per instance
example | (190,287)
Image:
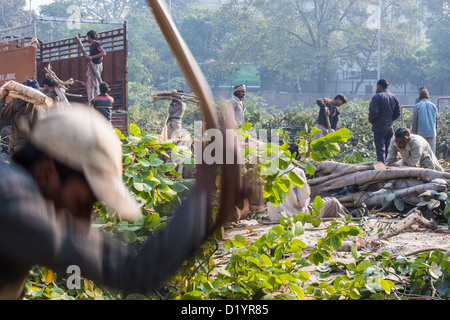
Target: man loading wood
(48,88)
(96,54)
(23,114)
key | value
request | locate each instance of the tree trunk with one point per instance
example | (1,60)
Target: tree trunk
(357,184)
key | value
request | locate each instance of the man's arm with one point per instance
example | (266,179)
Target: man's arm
(30,235)
(374,109)
(415,120)
(391,157)
(324,113)
(416,154)
(396,113)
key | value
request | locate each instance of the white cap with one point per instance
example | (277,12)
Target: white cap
(81,138)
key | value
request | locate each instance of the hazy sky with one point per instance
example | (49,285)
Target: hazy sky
(36,3)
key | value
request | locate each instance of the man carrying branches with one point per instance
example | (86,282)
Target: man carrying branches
(96,54)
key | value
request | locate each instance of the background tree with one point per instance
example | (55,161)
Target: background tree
(13,13)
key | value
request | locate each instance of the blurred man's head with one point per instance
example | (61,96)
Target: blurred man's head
(75,157)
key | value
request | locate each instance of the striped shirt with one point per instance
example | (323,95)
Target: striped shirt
(103,103)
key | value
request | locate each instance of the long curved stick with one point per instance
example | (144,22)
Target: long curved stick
(231,187)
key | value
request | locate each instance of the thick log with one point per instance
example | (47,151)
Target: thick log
(373,176)
(375,199)
(357,184)
(28,94)
(340,169)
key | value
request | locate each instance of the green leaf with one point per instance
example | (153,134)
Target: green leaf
(310,168)
(134,130)
(362,265)
(296,178)
(399,204)
(266,260)
(354,251)
(433,204)
(129,236)
(317,205)
(297,290)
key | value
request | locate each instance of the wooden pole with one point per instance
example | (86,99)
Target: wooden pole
(90,64)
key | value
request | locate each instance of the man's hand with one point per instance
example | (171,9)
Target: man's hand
(88,58)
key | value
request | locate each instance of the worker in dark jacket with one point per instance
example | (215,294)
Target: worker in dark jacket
(73,159)
(329,114)
(383,111)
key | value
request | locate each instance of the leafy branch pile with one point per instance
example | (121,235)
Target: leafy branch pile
(273,266)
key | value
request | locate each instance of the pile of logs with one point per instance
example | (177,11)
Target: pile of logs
(369,183)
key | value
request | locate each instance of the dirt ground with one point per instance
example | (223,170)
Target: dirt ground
(411,241)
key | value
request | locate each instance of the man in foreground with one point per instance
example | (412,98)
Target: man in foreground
(72,160)
(414,151)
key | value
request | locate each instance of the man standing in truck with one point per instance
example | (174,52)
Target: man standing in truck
(96,54)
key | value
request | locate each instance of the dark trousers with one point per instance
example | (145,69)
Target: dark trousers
(382,137)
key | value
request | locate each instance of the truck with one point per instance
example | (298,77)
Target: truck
(23,56)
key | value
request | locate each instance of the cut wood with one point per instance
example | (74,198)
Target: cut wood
(357,184)
(28,94)
(414,218)
(175,95)
(60,86)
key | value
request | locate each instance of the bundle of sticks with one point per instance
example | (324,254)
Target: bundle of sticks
(60,86)
(175,95)
(28,94)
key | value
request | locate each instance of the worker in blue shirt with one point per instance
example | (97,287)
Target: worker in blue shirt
(425,117)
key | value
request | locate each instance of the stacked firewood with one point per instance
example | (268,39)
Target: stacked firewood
(370,183)
(175,95)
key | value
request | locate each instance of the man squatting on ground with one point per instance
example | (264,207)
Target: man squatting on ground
(414,151)
(298,199)
(73,159)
